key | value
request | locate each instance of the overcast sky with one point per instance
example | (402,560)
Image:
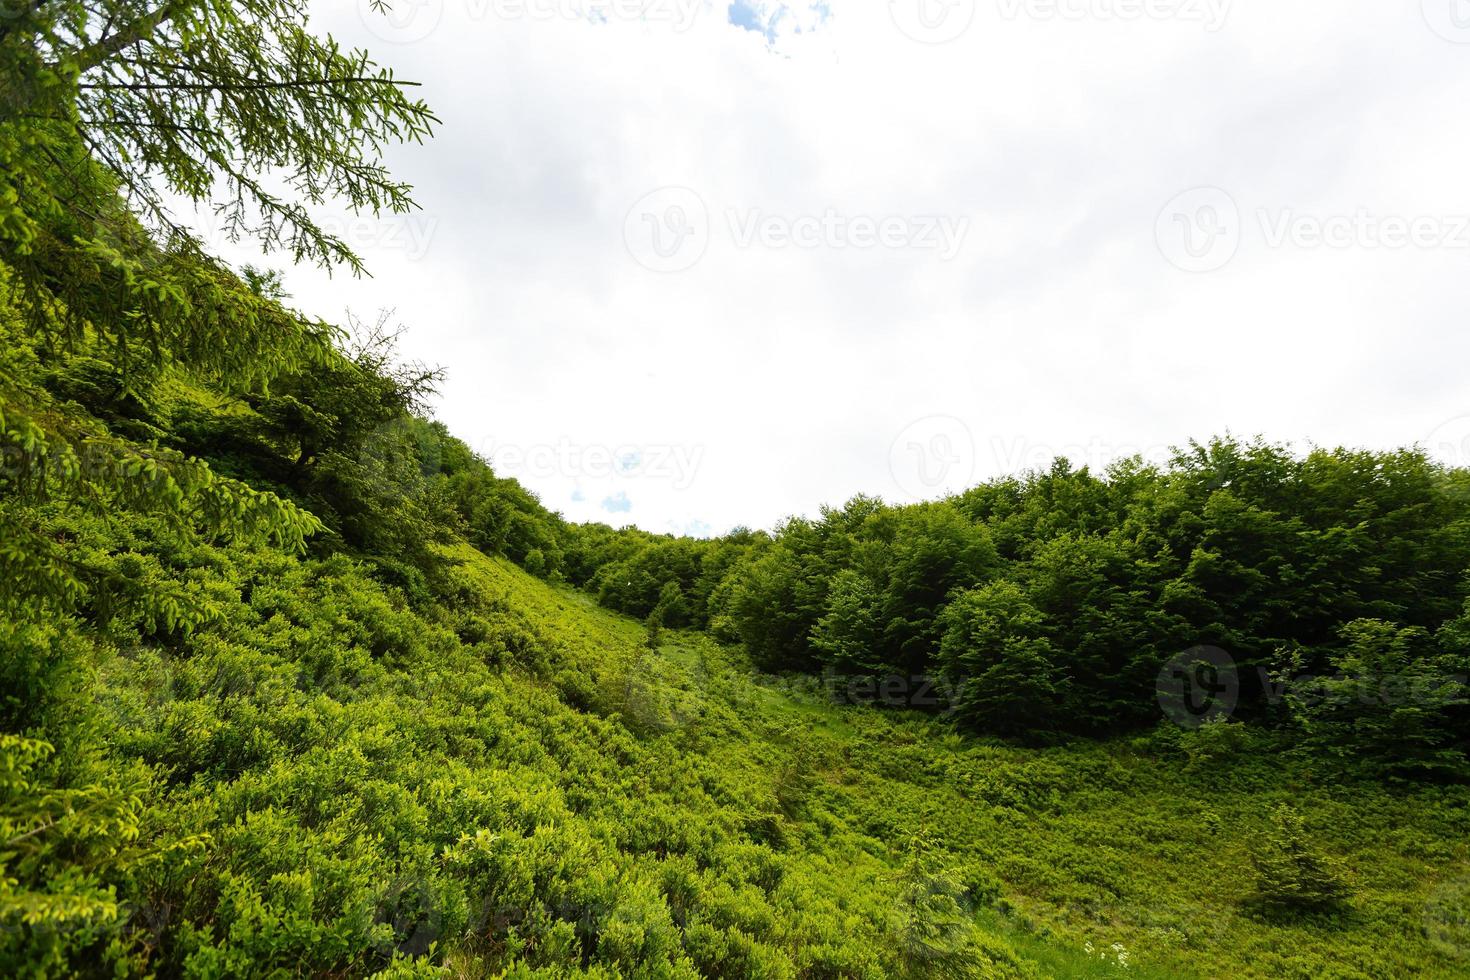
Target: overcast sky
(709,265)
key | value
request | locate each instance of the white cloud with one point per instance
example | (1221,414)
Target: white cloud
(785,371)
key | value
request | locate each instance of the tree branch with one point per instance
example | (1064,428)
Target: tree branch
(245,86)
(138,31)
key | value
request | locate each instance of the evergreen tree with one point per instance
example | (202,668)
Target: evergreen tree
(1290,876)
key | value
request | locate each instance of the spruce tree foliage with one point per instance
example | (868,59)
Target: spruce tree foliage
(106,106)
(1291,878)
(654,627)
(211,100)
(934,925)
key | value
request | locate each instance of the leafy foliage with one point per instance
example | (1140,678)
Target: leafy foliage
(275,698)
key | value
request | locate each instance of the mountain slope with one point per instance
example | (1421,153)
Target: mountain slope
(325,780)
(381,749)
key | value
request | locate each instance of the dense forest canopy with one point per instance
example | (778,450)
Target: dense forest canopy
(1048,603)
(275,698)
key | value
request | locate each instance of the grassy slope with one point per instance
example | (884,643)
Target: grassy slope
(1078,845)
(518,781)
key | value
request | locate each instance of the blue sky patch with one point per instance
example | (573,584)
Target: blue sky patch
(771,18)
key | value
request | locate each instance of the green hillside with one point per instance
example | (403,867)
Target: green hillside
(1147,843)
(293,683)
(321,780)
